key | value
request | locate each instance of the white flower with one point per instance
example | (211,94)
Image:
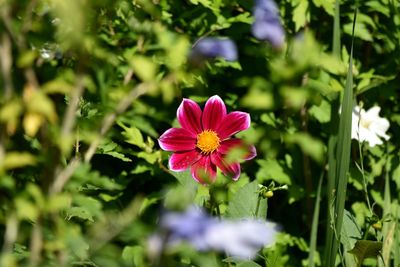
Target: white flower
(368,126)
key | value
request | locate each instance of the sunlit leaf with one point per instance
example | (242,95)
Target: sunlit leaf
(247,203)
(15,159)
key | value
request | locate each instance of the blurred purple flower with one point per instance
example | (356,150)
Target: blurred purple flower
(243,238)
(240,238)
(267,25)
(212,47)
(190,226)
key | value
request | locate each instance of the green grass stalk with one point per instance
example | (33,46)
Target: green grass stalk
(332,142)
(314,226)
(343,155)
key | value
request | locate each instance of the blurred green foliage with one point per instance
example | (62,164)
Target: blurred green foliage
(87,87)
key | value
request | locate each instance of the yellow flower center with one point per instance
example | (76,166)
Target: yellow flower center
(365,123)
(207,141)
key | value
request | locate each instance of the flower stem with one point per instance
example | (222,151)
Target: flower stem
(363,175)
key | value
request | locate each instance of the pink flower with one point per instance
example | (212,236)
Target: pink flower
(205,139)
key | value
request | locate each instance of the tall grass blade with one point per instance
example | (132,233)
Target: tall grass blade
(336,30)
(343,154)
(314,226)
(388,227)
(332,139)
(396,252)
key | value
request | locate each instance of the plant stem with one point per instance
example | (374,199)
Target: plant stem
(360,147)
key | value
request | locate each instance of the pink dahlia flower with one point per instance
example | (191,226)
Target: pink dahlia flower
(205,139)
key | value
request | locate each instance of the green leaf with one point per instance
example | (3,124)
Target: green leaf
(76,242)
(349,235)
(26,209)
(185,178)
(184,193)
(38,102)
(361,31)
(59,86)
(294,97)
(15,160)
(79,212)
(26,58)
(247,203)
(20,251)
(58,202)
(10,111)
(321,112)
(258,99)
(328,5)
(144,67)
(150,157)
(309,145)
(248,264)
(148,202)
(301,14)
(366,249)
(133,255)
(90,204)
(272,170)
(132,135)
(91,179)
(109,148)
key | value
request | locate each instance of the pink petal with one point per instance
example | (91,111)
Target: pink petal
(189,116)
(229,169)
(228,145)
(204,171)
(181,161)
(232,123)
(177,139)
(252,153)
(214,112)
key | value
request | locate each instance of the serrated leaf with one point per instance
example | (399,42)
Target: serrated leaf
(117,155)
(246,203)
(92,205)
(301,14)
(272,170)
(327,5)
(132,135)
(79,212)
(92,180)
(149,157)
